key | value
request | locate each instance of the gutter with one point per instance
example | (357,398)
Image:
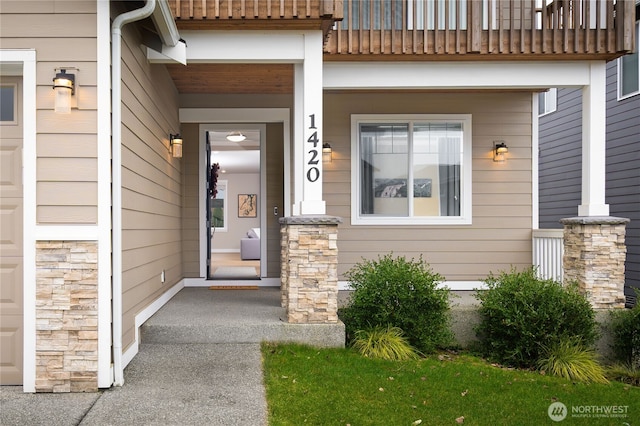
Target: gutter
(116,167)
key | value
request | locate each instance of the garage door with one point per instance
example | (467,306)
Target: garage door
(11,279)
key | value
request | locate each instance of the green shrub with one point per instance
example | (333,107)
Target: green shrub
(521,313)
(400,293)
(384,343)
(570,359)
(625,325)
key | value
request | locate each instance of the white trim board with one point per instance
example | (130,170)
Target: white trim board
(201,282)
(144,315)
(66,233)
(103,25)
(455,76)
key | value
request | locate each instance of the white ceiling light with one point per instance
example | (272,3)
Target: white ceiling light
(236,137)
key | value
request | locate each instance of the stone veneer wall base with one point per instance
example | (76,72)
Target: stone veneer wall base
(309,269)
(66,316)
(594,256)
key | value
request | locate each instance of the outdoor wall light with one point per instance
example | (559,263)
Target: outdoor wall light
(499,150)
(236,137)
(64,88)
(327,153)
(175,142)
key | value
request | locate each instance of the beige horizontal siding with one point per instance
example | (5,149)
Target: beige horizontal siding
(66,169)
(63,34)
(151,182)
(53,146)
(48,49)
(190,207)
(84,215)
(500,233)
(64,25)
(48,6)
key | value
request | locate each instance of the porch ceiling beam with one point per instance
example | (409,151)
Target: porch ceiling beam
(443,75)
(243,47)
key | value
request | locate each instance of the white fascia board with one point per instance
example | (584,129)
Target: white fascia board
(454,75)
(244,46)
(165,24)
(168,54)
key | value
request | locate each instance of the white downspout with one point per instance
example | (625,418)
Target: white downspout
(116,166)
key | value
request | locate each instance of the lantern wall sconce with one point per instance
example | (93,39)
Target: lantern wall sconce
(64,86)
(327,152)
(175,143)
(499,150)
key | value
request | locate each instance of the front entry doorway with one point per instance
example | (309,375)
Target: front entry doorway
(245,196)
(233,214)
(274,196)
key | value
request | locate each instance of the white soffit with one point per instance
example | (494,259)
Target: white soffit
(455,75)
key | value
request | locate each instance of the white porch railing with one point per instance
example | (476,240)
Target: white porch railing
(548,248)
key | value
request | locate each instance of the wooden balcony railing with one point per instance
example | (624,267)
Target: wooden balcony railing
(580,29)
(256,14)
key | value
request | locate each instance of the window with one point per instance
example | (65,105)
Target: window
(219,207)
(8,103)
(547,102)
(629,71)
(411,170)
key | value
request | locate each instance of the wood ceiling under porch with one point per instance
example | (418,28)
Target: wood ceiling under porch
(466,30)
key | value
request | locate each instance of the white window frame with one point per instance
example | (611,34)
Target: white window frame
(549,100)
(622,96)
(225,210)
(465,217)
(13,122)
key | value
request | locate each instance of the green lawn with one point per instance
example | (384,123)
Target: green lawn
(314,386)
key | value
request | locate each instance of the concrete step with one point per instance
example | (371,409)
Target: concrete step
(200,315)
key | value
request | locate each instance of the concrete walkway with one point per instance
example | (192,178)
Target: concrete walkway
(186,384)
(199,364)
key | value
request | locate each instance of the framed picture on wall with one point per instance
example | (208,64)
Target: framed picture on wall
(247,205)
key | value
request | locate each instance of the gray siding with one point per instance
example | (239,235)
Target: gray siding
(561,160)
(623,169)
(560,164)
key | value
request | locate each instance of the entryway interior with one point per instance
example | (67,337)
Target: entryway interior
(235,215)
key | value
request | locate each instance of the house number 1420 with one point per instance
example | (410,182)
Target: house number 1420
(313,173)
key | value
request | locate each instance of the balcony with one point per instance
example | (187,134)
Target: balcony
(483,30)
(433,29)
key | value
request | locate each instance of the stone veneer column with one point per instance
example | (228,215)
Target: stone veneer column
(594,255)
(309,272)
(66,316)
